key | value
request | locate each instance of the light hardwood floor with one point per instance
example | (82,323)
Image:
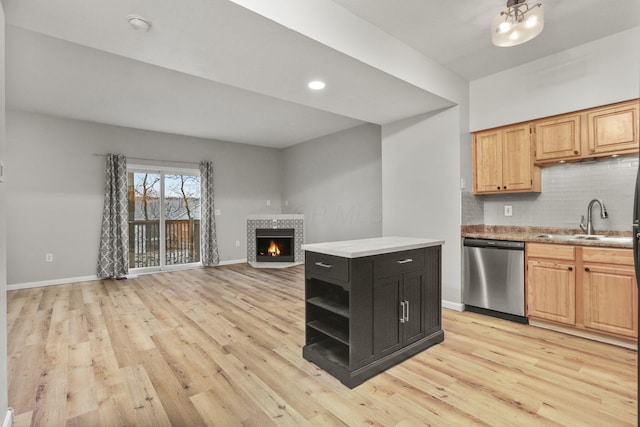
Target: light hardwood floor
(222,346)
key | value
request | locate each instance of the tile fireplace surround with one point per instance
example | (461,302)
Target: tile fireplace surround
(294,221)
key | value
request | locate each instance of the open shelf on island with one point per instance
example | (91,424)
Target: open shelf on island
(331,329)
(332,303)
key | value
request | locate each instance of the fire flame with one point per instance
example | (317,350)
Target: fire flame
(273,250)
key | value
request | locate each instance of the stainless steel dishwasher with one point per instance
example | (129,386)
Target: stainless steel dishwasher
(494,278)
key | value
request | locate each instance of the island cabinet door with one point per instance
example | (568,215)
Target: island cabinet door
(413,296)
(399,311)
(387,298)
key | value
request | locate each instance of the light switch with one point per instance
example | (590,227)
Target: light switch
(508,210)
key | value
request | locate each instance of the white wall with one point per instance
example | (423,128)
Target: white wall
(420,187)
(597,73)
(3,236)
(55,189)
(335,181)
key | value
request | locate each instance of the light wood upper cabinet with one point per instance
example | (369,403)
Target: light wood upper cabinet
(508,159)
(596,132)
(558,138)
(503,161)
(487,154)
(613,129)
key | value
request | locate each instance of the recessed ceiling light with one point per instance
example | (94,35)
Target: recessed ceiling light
(316,85)
(139,23)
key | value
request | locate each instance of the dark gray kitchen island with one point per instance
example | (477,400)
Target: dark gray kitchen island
(370,304)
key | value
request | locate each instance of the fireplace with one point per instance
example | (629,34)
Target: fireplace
(275,245)
(286,230)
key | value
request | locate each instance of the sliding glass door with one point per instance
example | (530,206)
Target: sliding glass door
(164,218)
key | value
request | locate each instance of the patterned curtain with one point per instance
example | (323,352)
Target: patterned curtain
(113,259)
(208,240)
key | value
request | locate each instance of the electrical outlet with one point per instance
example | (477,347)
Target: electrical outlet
(48,258)
(508,210)
(268,202)
(237,243)
(216,212)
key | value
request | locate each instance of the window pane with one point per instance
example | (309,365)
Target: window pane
(182,218)
(144,219)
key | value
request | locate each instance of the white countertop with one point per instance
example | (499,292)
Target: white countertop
(367,247)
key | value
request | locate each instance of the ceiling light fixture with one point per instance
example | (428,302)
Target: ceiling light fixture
(139,23)
(517,23)
(316,85)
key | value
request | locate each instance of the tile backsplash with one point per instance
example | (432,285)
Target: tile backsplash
(566,192)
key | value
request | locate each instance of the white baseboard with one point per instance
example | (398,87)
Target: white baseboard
(233,261)
(453,305)
(29,285)
(43,283)
(8,418)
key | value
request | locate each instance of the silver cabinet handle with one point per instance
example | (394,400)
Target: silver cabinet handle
(404,261)
(323,265)
(403,311)
(406,304)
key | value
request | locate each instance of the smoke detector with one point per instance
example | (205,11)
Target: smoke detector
(139,23)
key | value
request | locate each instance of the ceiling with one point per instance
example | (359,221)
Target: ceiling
(237,70)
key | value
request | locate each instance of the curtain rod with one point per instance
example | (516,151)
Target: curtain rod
(151,160)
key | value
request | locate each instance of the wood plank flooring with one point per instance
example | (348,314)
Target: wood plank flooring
(222,347)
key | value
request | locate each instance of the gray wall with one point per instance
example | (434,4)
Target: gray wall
(335,181)
(55,188)
(566,191)
(421,187)
(597,73)
(3,237)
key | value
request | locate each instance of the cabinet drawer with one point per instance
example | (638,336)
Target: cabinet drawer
(542,250)
(326,266)
(608,256)
(398,262)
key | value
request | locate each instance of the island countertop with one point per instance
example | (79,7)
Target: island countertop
(367,247)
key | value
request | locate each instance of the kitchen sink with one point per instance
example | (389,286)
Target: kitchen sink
(589,237)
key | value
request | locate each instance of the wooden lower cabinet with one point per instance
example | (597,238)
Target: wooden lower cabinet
(586,288)
(610,297)
(553,297)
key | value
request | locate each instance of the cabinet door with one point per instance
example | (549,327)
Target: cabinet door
(613,128)
(558,138)
(610,297)
(487,161)
(387,293)
(551,291)
(516,158)
(414,293)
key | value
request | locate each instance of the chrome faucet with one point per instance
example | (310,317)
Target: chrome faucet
(603,214)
